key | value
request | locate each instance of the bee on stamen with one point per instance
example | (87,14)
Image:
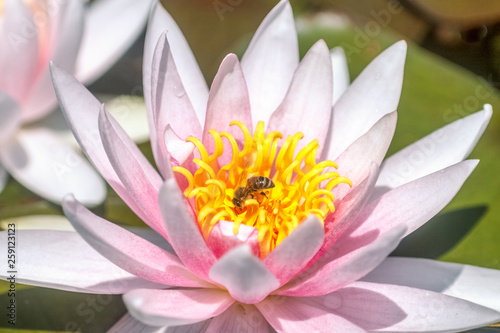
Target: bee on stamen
(254,185)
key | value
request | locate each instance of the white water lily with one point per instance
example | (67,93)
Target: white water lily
(84,39)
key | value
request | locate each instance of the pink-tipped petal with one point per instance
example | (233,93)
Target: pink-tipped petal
(475,284)
(345,214)
(270,60)
(10,116)
(228,101)
(137,175)
(410,204)
(171,106)
(246,278)
(371,146)
(301,314)
(307,105)
(191,75)
(222,238)
(438,150)
(81,110)
(178,149)
(295,251)
(239,318)
(183,231)
(334,271)
(380,85)
(46,166)
(176,307)
(341,78)
(128,251)
(63,260)
(111,27)
(19,46)
(67,33)
(391,308)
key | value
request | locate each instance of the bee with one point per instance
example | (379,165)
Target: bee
(254,185)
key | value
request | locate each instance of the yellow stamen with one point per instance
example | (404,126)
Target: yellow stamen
(299,184)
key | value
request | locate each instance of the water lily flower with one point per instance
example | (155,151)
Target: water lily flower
(83,41)
(307,254)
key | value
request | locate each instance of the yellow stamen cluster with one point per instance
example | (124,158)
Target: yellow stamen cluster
(302,186)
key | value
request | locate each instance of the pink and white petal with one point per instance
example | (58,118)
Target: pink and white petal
(239,318)
(380,85)
(228,101)
(307,105)
(341,78)
(474,284)
(301,314)
(169,94)
(244,275)
(18,50)
(137,175)
(335,272)
(63,260)
(67,30)
(39,222)
(345,214)
(176,307)
(270,60)
(178,149)
(191,75)
(81,110)
(222,238)
(440,149)
(295,251)
(371,146)
(10,116)
(46,166)
(128,324)
(107,35)
(391,308)
(183,230)
(168,98)
(409,204)
(128,251)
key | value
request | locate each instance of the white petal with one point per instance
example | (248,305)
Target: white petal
(391,308)
(374,93)
(111,26)
(270,61)
(474,284)
(63,260)
(341,79)
(438,150)
(190,73)
(45,165)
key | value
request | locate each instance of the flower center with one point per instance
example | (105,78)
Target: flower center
(262,186)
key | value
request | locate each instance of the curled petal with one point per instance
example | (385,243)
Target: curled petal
(246,278)
(176,307)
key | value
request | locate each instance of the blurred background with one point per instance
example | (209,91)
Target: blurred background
(452,69)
